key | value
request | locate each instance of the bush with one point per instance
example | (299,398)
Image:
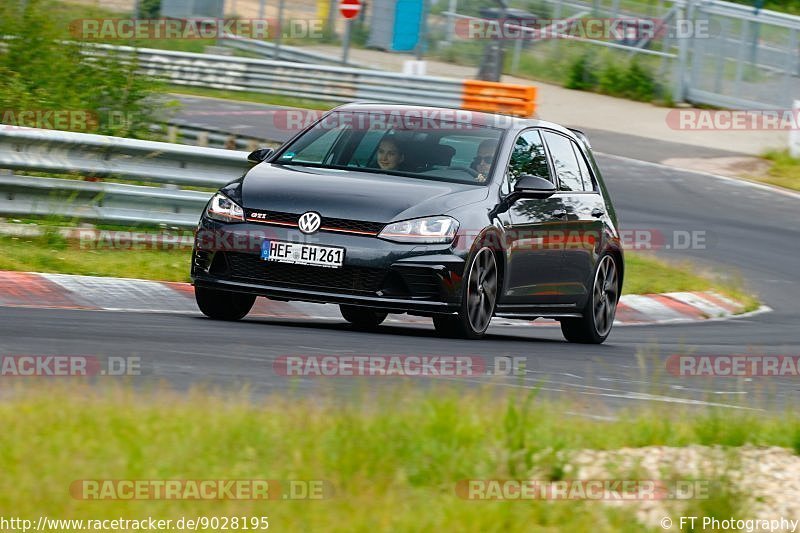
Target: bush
(40,73)
(580,75)
(609,77)
(149,9)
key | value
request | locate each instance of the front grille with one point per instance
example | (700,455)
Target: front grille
(352,225)
(347,279)
(328,224)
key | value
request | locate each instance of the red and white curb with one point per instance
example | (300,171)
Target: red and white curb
(64,291)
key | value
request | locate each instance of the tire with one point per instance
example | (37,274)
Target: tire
(223,305)
(361,317)
(598,315)
(478,299)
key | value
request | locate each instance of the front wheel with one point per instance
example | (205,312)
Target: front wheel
(362,318)
(598,315)
(223,305)
(478,300)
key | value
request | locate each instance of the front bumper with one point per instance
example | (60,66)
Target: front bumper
(424,279)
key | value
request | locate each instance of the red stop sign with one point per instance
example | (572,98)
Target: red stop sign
(349,8)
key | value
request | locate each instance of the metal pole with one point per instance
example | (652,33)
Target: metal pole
(277,53)
(682,79)
(346,43)
(451,21)
(423,30)
(794,133)
(261,7)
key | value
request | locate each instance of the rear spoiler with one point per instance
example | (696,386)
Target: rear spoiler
(582,136)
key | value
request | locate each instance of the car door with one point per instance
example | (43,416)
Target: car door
(585,211)
(534,248)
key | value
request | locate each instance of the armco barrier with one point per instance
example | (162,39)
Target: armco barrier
(321,82)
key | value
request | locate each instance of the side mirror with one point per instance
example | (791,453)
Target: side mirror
(528,186)
(260,155)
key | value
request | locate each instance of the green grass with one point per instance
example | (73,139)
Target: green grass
(260,98)
(647,275)
(393,458)
(52,253)
(784,172)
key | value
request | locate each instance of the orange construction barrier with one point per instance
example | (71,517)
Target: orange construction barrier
(494,97)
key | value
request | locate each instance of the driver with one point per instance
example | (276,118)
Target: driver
(390,154)
(483,159)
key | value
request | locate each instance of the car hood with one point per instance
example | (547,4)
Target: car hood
(352,195)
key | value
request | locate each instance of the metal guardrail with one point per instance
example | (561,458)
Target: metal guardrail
(298,80)
(186,133)
(268,50)
(115,203)
(170,165)
(317,82)
(98,155)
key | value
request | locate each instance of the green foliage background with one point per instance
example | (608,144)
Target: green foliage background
(39,71)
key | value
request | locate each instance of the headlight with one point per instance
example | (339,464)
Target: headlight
(224,209)
(429,230)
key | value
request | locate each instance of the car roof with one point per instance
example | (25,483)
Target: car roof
(508,122)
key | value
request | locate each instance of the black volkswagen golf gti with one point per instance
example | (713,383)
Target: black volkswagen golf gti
(454,215)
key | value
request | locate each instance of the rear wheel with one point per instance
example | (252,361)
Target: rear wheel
(598,315)
(361,317)
(478,299)
(223,305)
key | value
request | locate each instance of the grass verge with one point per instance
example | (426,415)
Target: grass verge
(784,172)
(52,253)
(646,274)
(392,460)
(259,98)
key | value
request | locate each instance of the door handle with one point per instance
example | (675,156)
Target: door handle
(559,213)
(597,212)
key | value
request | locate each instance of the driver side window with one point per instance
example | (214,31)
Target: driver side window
(528,157)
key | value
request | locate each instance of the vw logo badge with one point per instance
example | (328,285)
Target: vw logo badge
(309,222)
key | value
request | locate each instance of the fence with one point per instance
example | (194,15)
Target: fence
(706,52)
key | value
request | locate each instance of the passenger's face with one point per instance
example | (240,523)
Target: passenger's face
(484,157)
(389,156)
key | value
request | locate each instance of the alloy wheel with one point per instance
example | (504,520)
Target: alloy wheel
(481,289)
(604,295)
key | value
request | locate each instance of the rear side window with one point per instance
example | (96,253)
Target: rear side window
(588,183)
(565,162)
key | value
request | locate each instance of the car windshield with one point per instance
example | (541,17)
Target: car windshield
(437,145)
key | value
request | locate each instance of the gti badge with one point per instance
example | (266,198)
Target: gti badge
(309,222)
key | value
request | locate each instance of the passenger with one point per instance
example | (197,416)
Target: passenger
(390,154)
(482,163)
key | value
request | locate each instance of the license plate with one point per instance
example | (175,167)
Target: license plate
(302,254)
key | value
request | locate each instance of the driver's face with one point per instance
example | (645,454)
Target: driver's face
(389,156)
(484,160)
